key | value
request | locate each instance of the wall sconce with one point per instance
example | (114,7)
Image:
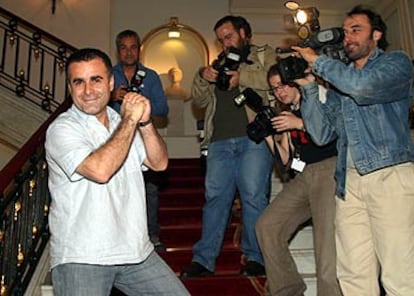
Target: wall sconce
(174,30)
(291,5)
(305,18)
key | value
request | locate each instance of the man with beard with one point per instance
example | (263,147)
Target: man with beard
(234,162)
(131,75)
(367,112)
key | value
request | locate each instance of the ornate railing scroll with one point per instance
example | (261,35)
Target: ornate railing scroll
(32,62)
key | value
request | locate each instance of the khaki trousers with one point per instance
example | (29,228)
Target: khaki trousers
(375,232)
(310,194)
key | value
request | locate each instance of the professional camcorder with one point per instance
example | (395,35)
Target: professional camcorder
(136,82)
(226,61)
(328,42)
(261,126)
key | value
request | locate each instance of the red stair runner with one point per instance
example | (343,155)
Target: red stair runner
(181,202)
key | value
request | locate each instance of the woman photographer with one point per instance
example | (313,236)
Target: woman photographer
(310,195)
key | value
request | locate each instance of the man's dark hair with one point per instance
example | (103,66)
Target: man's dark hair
(88,54)
(238,23)
(376,23)
(124,34)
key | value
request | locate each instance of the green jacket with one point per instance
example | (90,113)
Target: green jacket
(251,75)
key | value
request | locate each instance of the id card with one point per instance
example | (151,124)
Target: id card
(298,165)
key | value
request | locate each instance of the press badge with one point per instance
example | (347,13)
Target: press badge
(297,164)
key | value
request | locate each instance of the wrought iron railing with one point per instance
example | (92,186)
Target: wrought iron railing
(32,64)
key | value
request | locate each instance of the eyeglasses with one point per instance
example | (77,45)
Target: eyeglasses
(276,88)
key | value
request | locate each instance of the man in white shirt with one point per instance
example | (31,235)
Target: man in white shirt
(99,236)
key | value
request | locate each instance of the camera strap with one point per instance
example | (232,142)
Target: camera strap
(280,167)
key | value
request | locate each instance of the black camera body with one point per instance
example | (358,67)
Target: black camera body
(226,61)
(261,126)
(328,42)
(136,82)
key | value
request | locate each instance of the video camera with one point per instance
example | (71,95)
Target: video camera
(261,126)
(328,42)
(226,61)
(136,82)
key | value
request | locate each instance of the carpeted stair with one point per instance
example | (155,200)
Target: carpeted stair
(180,215)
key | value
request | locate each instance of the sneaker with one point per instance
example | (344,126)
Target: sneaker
(195,270)
(253,268)
(159,247)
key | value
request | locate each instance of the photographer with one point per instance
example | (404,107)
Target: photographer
(131,76)
(309,195)
(367,112)
(234,162)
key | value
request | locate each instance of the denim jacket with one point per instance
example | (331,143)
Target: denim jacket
(367,112)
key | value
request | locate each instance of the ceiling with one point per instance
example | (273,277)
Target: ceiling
(322,5)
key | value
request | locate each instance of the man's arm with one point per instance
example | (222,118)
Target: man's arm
(200,89)
(373,84)
(105,161)
(156,149)
(315,115)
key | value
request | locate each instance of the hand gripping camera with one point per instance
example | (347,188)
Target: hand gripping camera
(136,82)
(328,42)
(226,61)
(261,126)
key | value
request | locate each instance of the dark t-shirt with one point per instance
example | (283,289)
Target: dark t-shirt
(229,120)
(308,151)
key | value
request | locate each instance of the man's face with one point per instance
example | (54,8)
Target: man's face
(359,41)
(228,36)
(90,86)
(128,51)
(284,93)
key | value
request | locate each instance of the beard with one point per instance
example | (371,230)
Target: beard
(357,50)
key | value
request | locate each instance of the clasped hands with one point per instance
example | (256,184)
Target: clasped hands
(135,107)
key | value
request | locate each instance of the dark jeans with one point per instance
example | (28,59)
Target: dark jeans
(152,193)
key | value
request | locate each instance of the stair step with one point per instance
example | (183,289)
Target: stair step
(226,285)
(231,285)
(178,181)
(228,262)
(180,197)
(189,235)
(180,216)
(184,171)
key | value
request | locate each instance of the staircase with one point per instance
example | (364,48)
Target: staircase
(19,119)
(181,201)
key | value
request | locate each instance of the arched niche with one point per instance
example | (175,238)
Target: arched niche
(188,52)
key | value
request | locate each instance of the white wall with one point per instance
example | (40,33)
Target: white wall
(79,23)
(95,23)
